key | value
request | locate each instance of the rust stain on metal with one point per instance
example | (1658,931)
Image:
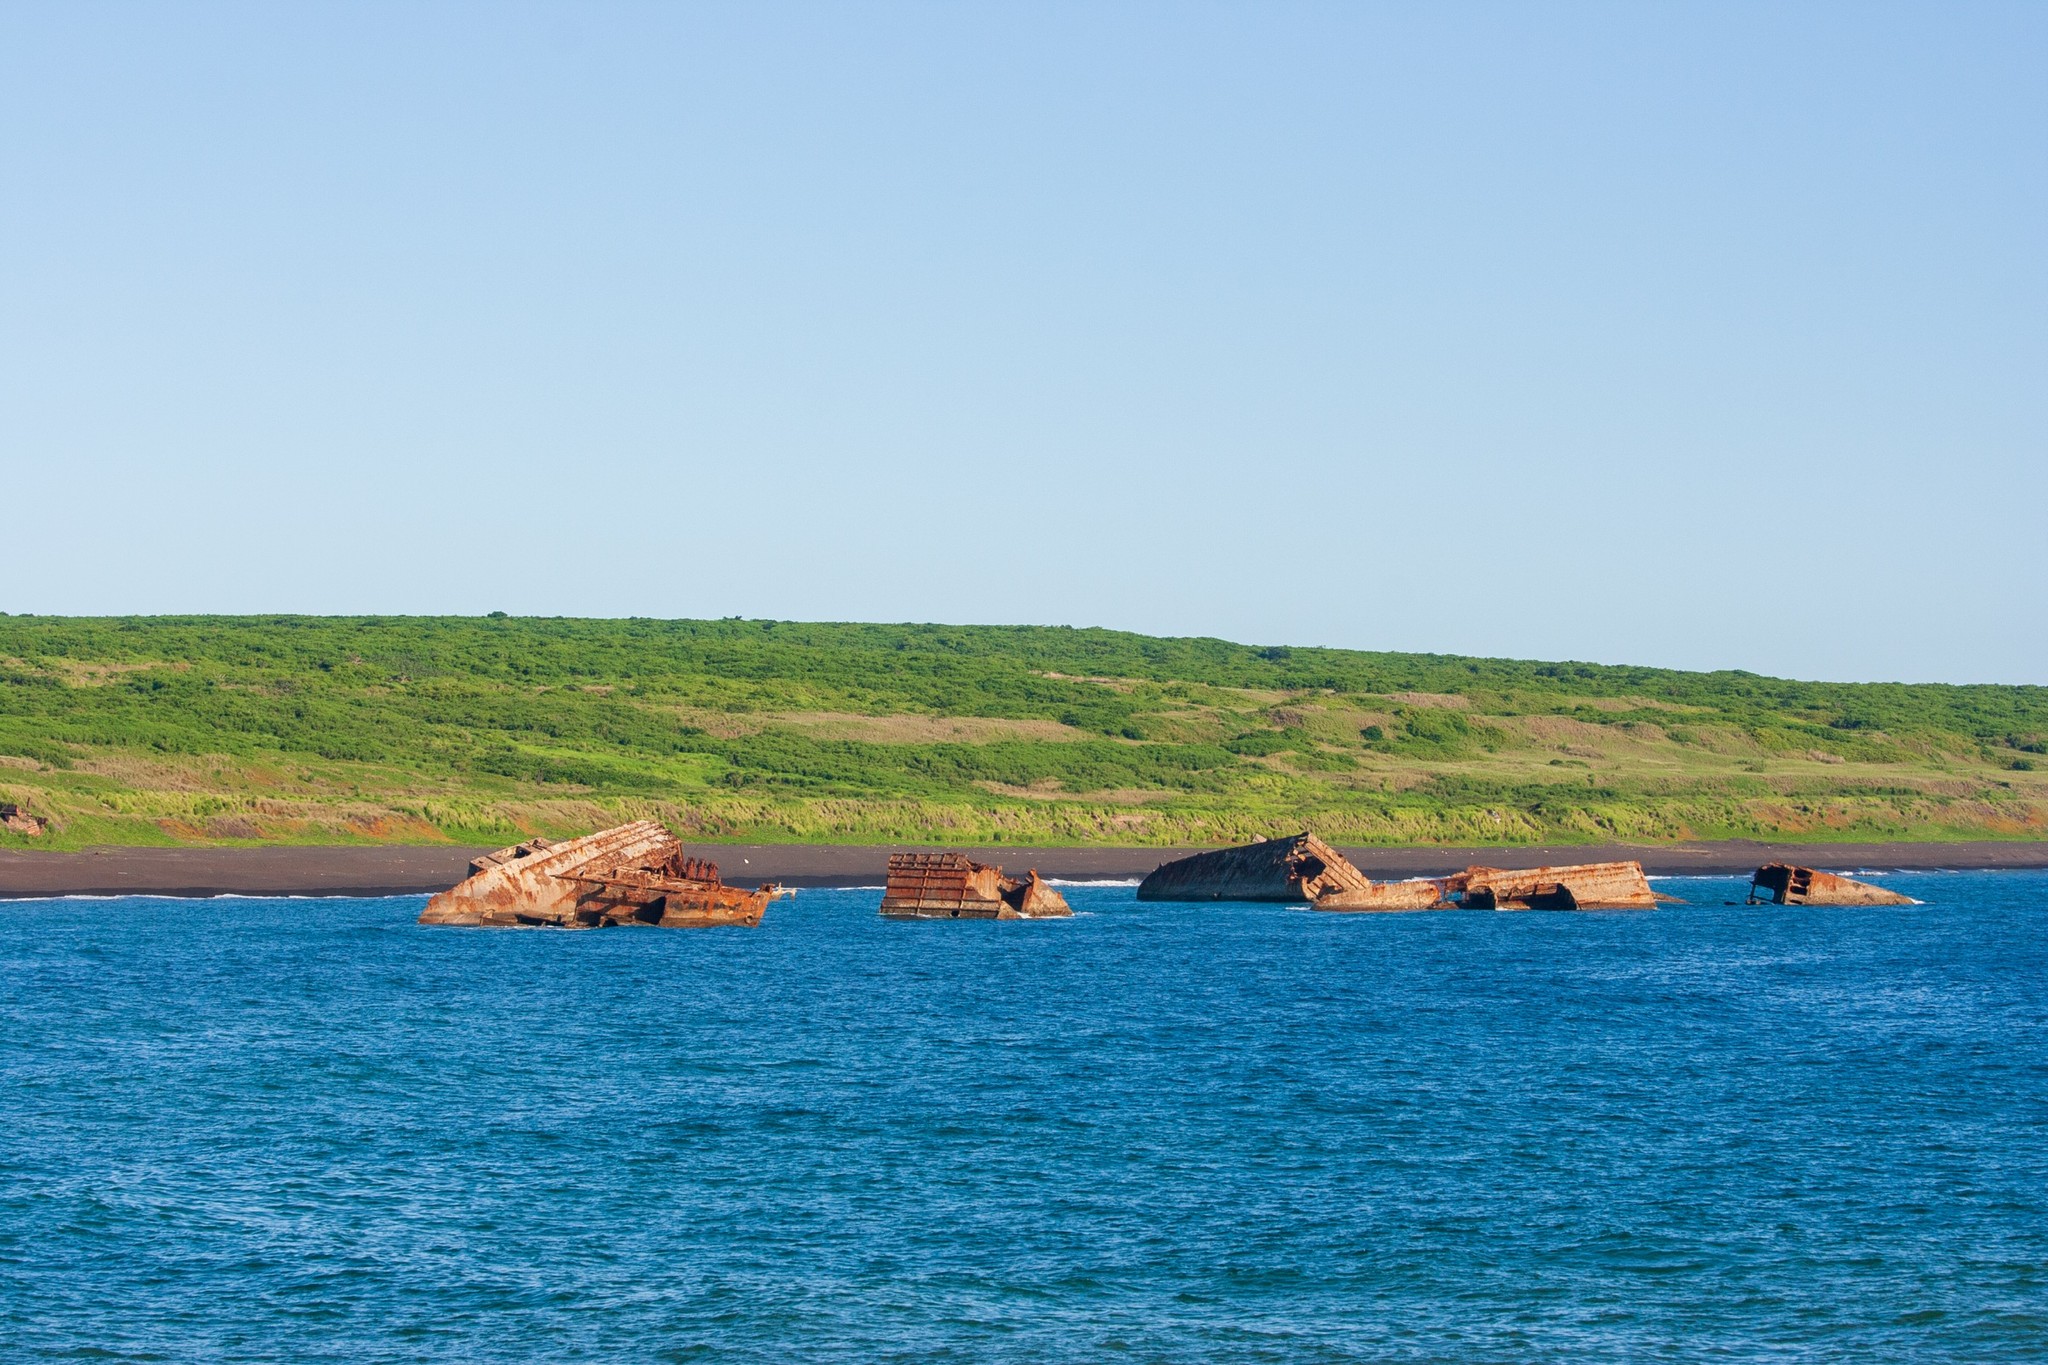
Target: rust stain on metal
(954,886)
(633,874)
(1785,884)
(1422,893)
(1585,886)
(1304,868)
(1299,867)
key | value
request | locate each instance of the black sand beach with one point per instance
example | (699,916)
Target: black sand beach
(387,870)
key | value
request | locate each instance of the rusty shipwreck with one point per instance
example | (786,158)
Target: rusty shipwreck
(954,886)
(1299,867)
(633,874)
(1785,884)
(1302,867)
(1287,870)
(1583,886)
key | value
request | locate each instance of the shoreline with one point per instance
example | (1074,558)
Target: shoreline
(389,870)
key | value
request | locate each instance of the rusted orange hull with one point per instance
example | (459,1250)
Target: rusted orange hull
(635,874)
(1586,886)
(1408,895)
(672,905)
(952,886)
(1785,884)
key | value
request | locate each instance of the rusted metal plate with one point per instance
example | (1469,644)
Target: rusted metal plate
(1585,886)
(954,886)
(1787,884)
(633,874)
(1034,898)
(1418,894)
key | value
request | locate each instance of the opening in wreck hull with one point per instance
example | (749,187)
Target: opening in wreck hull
(1587,886)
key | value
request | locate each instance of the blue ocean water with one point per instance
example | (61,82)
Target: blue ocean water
(313,1130)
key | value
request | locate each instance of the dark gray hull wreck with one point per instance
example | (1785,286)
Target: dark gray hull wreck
(1298,868)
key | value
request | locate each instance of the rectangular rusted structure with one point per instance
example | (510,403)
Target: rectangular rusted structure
(1415,894)
(633,874)
(1298,868)
(1785,884)
(954,886)
(1586,886)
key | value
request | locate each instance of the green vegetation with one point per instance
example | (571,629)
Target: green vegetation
(320,730)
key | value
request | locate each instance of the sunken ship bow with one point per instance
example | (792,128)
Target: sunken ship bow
(636,874)
(1297,868)
(1290,870)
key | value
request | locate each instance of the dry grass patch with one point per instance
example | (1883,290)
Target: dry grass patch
(78,673)
(1563,733)
(1113,684)
(144,774)
(1444,700)
(1634,704)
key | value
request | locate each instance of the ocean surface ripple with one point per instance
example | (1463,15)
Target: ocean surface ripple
(312,1130)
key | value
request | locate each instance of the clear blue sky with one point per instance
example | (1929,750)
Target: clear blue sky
(1710,336)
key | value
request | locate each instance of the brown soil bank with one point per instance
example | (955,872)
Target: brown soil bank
(388,871)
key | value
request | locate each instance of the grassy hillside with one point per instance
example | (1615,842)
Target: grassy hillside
(299,729)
